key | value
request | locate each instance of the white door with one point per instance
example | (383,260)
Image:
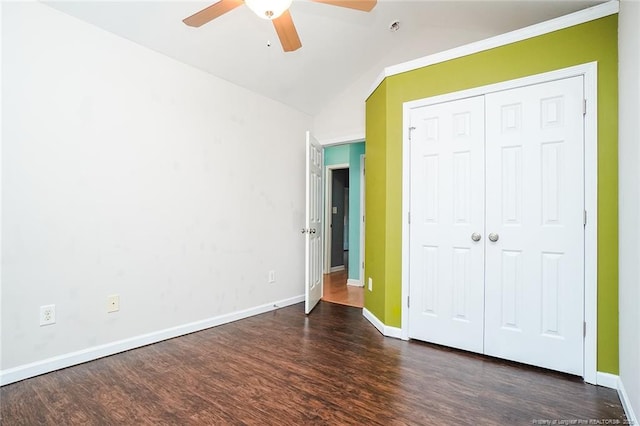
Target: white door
(534,277)
(509,167)
(313,225)
(447,208)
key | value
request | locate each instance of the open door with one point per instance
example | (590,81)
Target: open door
(313,225)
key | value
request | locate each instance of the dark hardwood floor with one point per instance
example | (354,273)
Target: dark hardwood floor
(331,367)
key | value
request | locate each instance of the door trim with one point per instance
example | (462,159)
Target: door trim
(328,175)
(362,218)
(589,71)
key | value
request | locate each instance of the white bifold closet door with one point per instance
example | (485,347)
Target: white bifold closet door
(447,207)
(534,275)
(496,231)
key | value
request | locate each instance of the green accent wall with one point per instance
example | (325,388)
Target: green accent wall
(375,234)
(350,154)
(588,42)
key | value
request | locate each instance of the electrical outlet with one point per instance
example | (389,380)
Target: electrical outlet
(47,314)
(272,277)
(113,303)
(370,284)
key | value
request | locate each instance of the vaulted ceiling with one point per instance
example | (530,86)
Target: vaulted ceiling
(339,45)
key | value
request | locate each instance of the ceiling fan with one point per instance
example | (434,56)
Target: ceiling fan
(276,11)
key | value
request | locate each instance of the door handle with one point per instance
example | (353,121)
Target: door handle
(493,237)
(476,237)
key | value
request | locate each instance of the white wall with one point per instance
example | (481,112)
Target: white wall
(629,174)
(1,127)
(343,118)
(126,172)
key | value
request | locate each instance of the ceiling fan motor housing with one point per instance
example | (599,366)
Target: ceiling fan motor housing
(268,9)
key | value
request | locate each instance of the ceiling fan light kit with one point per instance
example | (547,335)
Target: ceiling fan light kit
(268,9)
(277,11)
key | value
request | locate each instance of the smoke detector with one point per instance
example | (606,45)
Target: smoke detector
(394,26)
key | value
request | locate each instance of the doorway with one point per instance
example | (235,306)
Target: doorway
(338,239)
(343,230)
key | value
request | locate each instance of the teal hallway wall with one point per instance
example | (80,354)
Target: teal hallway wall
(350,154)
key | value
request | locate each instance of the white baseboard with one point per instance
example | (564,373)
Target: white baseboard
(336,268)
(373,320)
(612,381)
(626,404)
(607,380)
(355,283)
(33,369)
(384,329)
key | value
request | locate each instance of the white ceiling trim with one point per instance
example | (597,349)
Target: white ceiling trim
(596,12)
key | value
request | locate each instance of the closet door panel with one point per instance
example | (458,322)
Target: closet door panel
(447,208)
(534,276)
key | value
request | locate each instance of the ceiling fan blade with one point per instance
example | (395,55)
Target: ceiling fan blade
(287,32)
(364,5)
(212,12)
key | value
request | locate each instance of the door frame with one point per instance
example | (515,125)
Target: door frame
(362,217)
(589,72)
(328,215)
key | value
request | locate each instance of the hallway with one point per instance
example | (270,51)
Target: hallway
(336,290)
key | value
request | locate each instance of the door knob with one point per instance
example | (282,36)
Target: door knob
(493,237)
(313,230)
(476,237)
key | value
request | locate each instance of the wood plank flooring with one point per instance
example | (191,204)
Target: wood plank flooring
(283,368)
(336,290)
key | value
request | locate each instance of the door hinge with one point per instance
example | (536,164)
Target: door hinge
(409,218)
(584,107)
(411,129)
(584,329)
(584,219)
(408,301)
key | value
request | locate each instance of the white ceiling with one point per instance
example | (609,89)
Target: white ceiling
(338,44)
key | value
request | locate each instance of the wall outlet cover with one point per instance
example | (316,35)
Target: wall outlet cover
(113,303)
(47,314)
